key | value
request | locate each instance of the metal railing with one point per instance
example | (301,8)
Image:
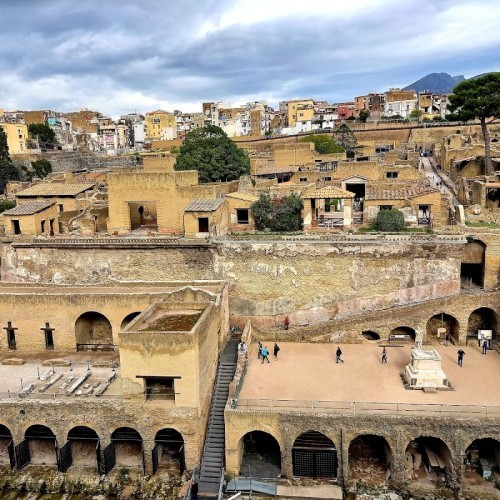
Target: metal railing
(234,401)
(369,407)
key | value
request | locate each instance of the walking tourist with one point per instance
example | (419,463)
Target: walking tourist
(259,352)
(446,339)
(276,350)
(338,355)
(384,355)
(485,346)
(461,354)
(265,354)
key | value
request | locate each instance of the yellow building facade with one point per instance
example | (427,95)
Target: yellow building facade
(157,121)
(17,134)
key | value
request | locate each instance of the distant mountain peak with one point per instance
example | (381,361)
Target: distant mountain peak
(438,83)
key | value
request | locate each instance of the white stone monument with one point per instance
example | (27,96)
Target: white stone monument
(424,370)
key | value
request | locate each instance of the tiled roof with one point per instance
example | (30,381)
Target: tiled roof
(274,169)
(204,205)
(398,193)
(33,207)
(56,189)
(327,192)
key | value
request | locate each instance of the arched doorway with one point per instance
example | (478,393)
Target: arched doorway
(84,446)
(482,462)
(168,452)
(93,328)
(370,335)
(41,442)
(127,319)
(314,455)
(402,333)
(472,268)
(428,459)
(261,455)
(128,447)
(483,318)
(7,457)
(440,322)
(370,460)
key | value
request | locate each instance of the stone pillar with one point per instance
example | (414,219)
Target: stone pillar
(148,456)
(348,214)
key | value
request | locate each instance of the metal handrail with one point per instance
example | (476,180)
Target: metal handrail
(368,407)
(234,401)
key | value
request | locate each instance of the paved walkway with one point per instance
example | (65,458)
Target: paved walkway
(307,371)
(436,176)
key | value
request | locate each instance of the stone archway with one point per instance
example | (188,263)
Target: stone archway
(6,447)
(42,445)
(428,460)
(93,328)
(84,446)
(472,268)
(261,455)
(483,318)
(370,460)
(314,455)
(128,447)
(169,453)
(443,321)
(403,333)
(128,318)
(482,463)
(370,335)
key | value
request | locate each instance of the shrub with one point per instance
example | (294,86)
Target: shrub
(390,220)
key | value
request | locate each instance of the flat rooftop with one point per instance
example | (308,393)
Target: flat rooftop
(307,372)
(14,377)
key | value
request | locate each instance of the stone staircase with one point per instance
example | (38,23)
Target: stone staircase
(212,462)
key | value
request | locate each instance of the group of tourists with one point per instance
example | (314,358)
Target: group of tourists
(263,352)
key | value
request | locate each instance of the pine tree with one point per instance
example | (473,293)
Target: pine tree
(7,169)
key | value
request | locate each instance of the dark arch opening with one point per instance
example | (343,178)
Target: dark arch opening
(370,459)
(472,268)
(483,318)
(428,459)
(482,460)
(370,335)
(93,328)
(128,447)
(127,319)
(314,455)
(5,443)
(261,455)
(42,445)
(84,446)
(169,452)
(403,333)
(443,321)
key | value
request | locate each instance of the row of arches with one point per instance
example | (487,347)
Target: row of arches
(370,458)
(83,449)
(483,318)
(93,327)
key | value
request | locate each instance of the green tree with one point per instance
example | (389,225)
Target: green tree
(41,168)
(262,211)
(8,172)
(216,157)
(6,205)
(416,114)
(364,115)
(390,220)
(346,138)
(45,135)
(323,143)
(478,98)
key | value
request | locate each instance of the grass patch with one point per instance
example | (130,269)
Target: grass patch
(492,225)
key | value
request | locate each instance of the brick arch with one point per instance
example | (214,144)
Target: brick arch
(269,431)
(470,438)
(349,438)
(444,320)
(265,447)
(93,326)
(53,426)
(318,428)
(415,435)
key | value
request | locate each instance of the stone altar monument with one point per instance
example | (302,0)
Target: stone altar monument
(424,370)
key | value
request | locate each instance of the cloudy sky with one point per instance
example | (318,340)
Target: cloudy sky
(118,56)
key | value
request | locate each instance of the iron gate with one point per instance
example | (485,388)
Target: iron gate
(108,459)
(65,457)
(98,457)
(22,452)
(12,455)
(156,461)
(315,463)
(143,458)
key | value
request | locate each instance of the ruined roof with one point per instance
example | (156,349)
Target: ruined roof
(56,189)
(204,205)
(275,169)
(242,196)
(404,192)
(327,192)
(33,207)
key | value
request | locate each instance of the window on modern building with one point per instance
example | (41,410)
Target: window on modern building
(391,175)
